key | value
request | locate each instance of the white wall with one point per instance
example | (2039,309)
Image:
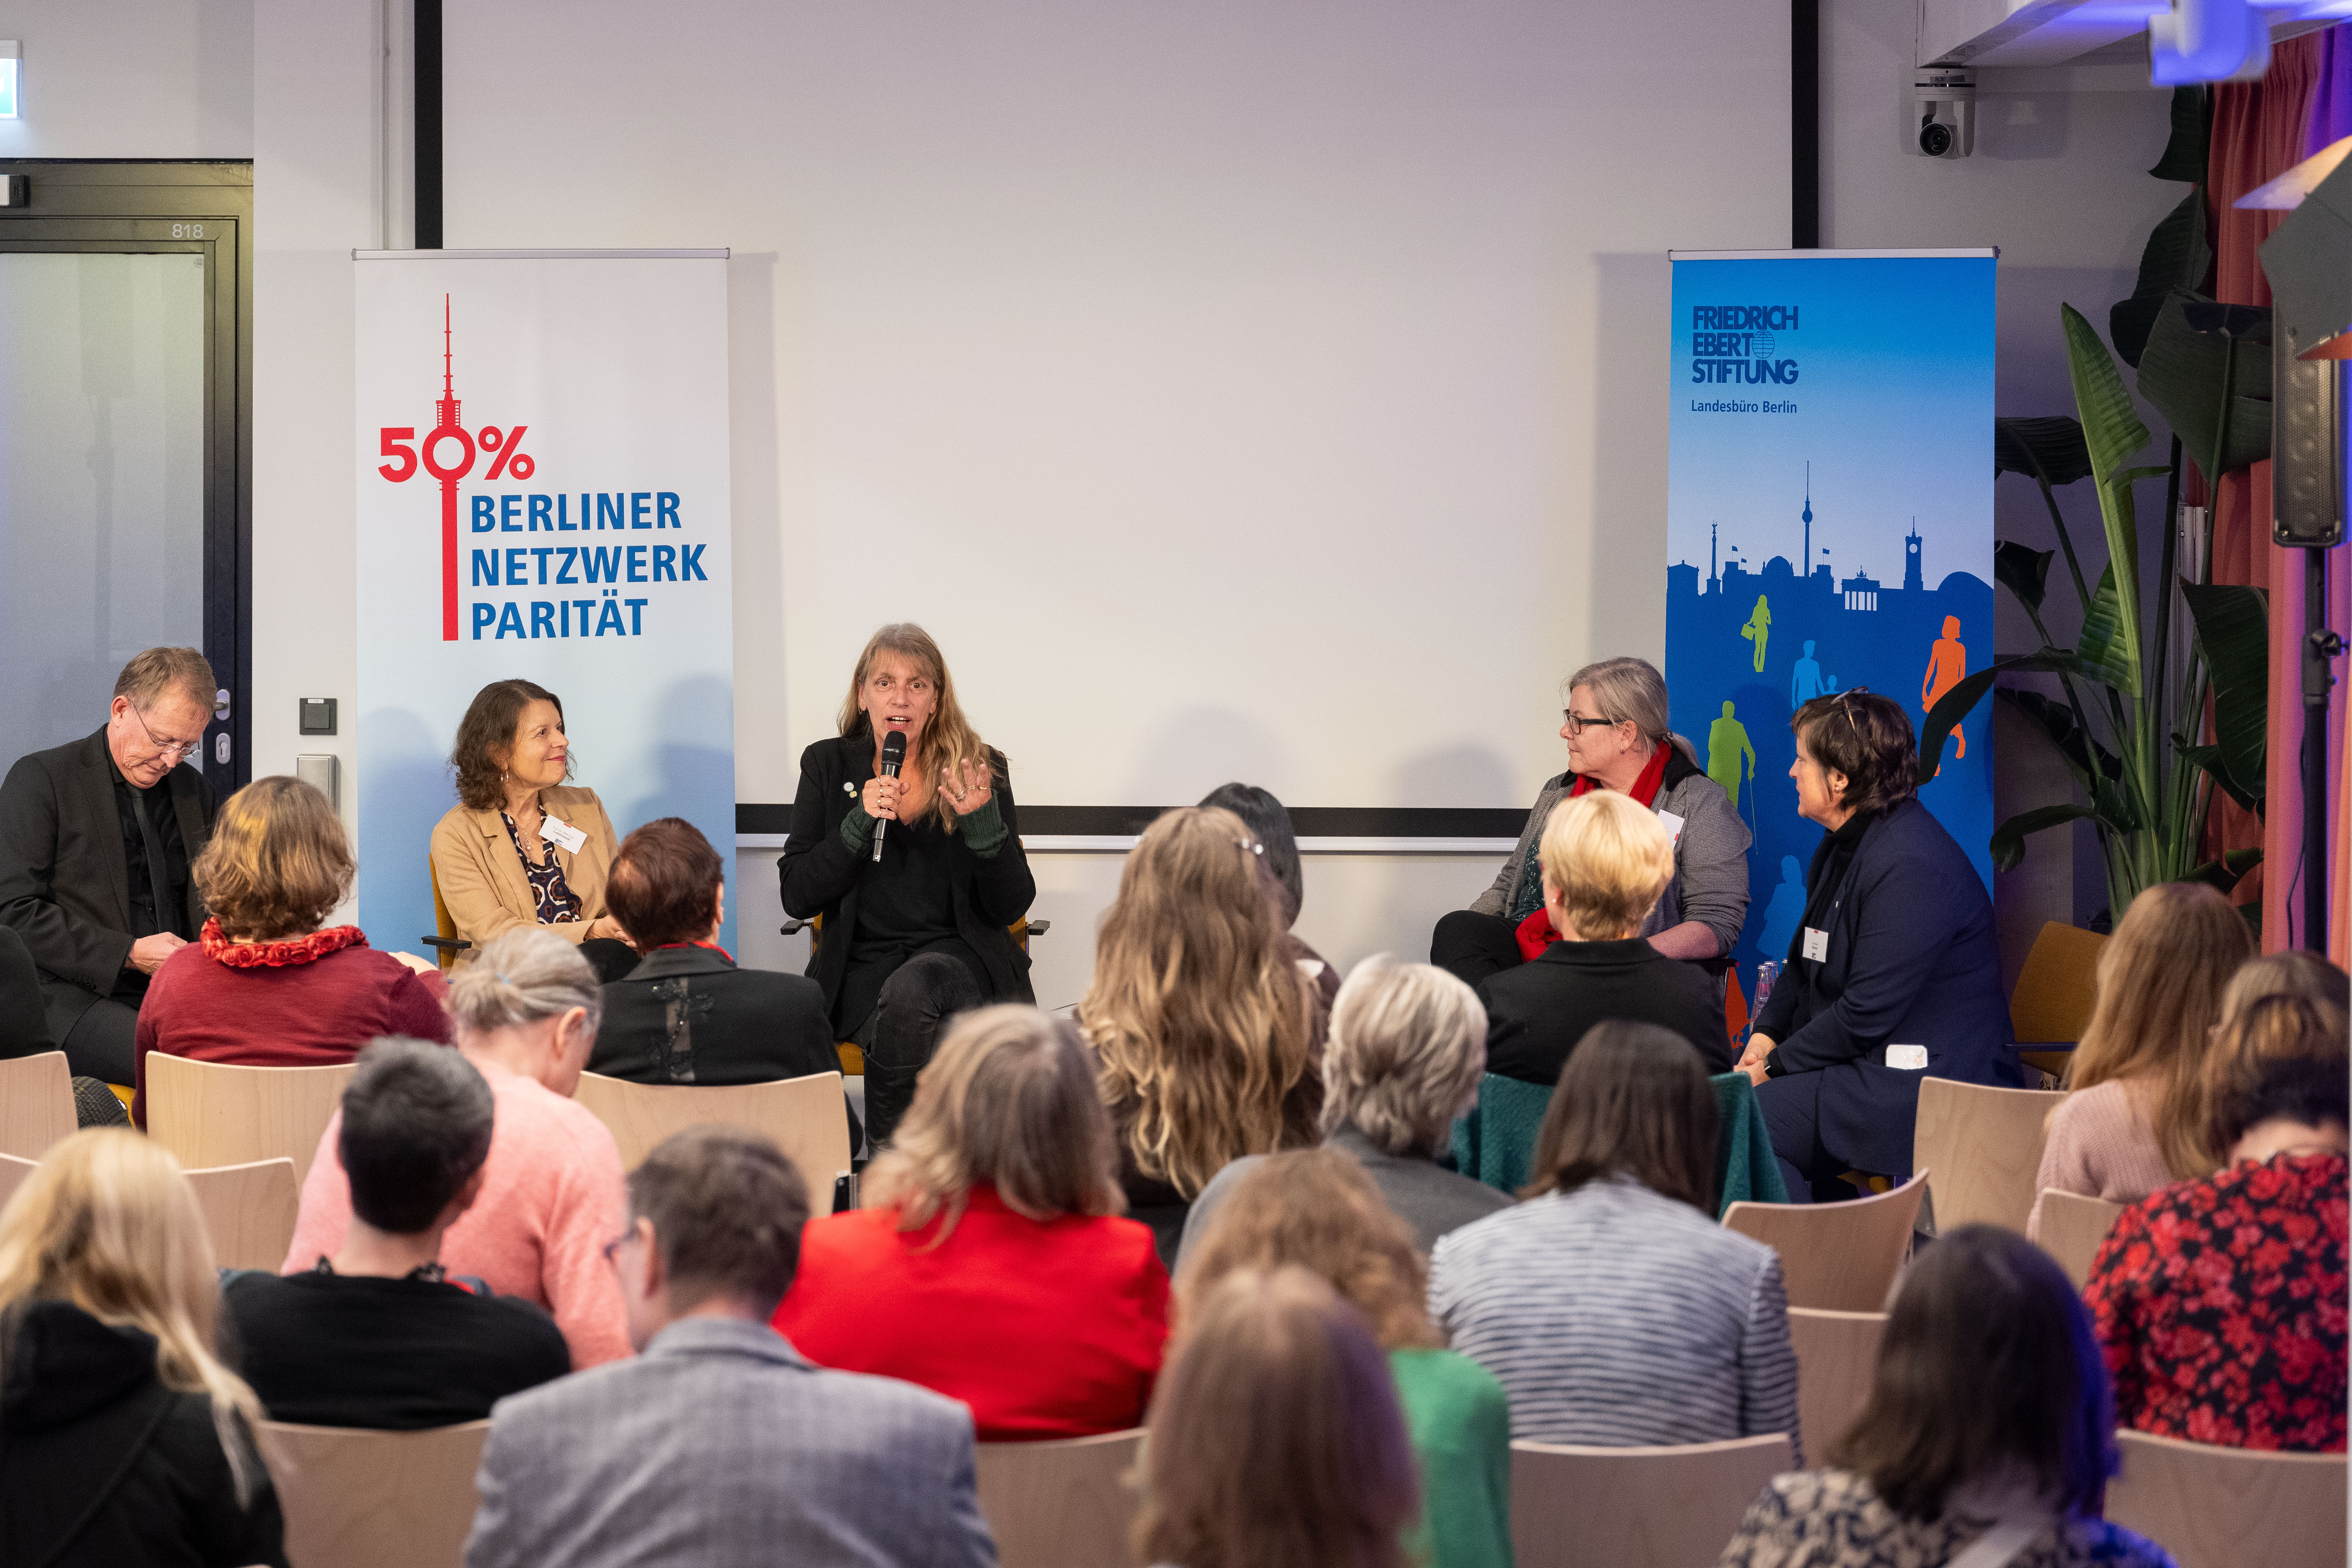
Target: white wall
(131,79)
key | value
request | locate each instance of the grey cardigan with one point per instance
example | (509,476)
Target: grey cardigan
(1710,883)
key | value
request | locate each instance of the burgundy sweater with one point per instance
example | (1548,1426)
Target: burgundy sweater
(307,1002)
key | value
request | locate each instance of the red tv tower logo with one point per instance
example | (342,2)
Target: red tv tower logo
(393,442)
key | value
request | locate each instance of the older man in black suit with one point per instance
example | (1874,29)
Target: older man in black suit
(96,839)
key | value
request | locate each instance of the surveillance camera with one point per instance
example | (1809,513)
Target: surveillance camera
(1944,103)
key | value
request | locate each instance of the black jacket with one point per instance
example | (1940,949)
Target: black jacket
(103,1466)
(686,1015)
(1537,1012)
(24,1022)
(820,876)
(65,885)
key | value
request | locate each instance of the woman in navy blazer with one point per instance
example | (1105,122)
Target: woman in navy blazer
(1894,959)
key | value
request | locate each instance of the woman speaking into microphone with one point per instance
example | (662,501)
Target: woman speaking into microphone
(917,877)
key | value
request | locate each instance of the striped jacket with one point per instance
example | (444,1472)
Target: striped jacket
(1617,1317)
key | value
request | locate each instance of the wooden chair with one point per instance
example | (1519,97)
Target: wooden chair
(215,1113)
(37,1104)
(13,1171)
(1837,1356)
(2072,1227)
(2226,1507)
(356,1498)
(1635,1508)
(1985,1146)
(1839,1258)
(446,943)
(2055,991)
(1066,1503)
(803,1115)
(249,1212)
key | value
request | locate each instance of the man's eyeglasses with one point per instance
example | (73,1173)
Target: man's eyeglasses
(1576,723)
(175,750)
(615,1244)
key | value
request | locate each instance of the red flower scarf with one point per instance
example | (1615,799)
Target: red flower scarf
(1535,934)
(277,954)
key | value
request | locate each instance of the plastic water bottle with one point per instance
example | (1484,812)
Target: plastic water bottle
(1767,972)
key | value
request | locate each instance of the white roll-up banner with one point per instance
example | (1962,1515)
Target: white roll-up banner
(542,473)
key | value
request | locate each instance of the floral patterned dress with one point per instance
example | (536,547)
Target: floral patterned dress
(2220,1303)
(555,901)
(1832,1518)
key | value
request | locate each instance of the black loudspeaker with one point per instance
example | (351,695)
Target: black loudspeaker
(2306,449)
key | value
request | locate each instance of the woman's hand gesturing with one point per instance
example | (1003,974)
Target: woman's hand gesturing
(967,785)
(880,799)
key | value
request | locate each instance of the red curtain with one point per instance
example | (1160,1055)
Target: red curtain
(2260,130)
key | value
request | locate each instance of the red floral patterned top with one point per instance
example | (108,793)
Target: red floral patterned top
(2220,1303)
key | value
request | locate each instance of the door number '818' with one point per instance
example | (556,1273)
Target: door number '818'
(187,231)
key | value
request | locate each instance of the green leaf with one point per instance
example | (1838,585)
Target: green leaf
(2234,627)
(2009,838)
(1955,704)
(2103,651)
(2049,448)
(2226,872)
(2192,120)
(2209,759)
(2176,257)
(2207,369)
(2111,426)
(2025,573)
(2094,766)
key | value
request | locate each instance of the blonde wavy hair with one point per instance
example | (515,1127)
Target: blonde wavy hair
(277,862)
(1203,1026)
(948,740)
(1009,1099)
(2161,978)
(1408,1043)
(108,1223)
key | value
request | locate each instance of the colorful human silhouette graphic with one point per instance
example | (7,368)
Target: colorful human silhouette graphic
(1785,910)
(1805,682)
(1726,749)
(1948,666)
(1759,628)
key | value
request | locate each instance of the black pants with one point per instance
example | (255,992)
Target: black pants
(103,1042)
(917,1001)
(1472,946)
(1791,1105)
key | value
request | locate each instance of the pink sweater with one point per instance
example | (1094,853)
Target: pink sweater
(552,1198)
(2102,1143)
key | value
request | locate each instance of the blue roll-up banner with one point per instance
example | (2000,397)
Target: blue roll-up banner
(543,494)
(1829,525)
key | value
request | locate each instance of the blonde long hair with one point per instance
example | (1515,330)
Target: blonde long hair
(2161,977)
(108,1223)
(1200,1022)
(948,740)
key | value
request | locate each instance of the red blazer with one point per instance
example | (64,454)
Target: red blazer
(308,1002)
(1051,1330)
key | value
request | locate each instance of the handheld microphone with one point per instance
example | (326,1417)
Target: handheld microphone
(894,753)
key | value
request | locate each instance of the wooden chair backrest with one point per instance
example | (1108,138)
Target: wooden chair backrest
(1840,1258)
(249,1212)
(1985,1146)
(1575,1507)
(1837,1355)
(356,1498)
(2225,1508)
(1066,1503)
(37,1104)
(13,1171)
(2072,1227)
(806,1116)
(217,1113)
(444,925)
(2057,986)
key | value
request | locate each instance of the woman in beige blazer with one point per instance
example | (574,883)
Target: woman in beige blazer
(521,847)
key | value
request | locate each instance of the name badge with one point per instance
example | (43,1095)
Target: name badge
(1817,945)
(1673,826)
(562,835)
(1910,1058)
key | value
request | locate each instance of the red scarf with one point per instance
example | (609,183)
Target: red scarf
(277,954)
(711,945)
(1535,934)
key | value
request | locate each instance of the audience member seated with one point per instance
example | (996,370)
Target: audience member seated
(266,983)
(1318,1209)
(1605,862)
(1269,822)
(990,1264)
(721,1443)
(526,1012)
(2135,1116)
(2291,972)
(378,1335)
(2220,1300)
(1408,1043)
(1987,1428)
(1893,976)
(686,1013)
(1611,1305)
(123,1438)
(1206,1033)
(523,847)
(95,840)
(24,1024)
(1276,1435)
